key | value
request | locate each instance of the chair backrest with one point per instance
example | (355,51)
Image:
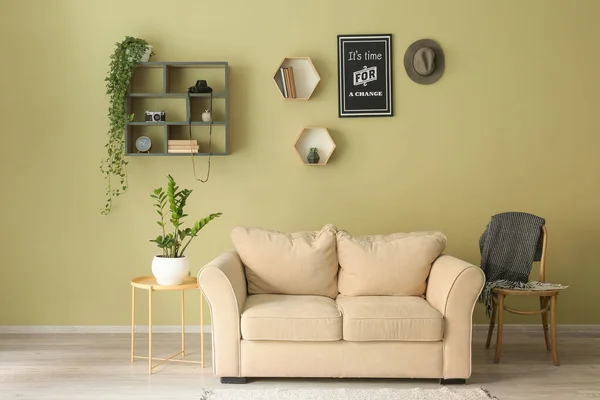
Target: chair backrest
(542,273)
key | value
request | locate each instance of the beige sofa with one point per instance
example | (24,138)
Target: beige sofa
(328,304)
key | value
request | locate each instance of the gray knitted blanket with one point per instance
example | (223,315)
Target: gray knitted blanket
(509,245)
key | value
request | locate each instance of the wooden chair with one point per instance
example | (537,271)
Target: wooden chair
(547,305)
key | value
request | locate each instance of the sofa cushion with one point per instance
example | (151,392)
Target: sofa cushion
(387,265)
(281,263)
(390,318)
(291,317)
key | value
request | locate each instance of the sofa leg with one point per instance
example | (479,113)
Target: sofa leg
(232,380)
(453,381)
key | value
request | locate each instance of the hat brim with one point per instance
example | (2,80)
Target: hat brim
(440,62)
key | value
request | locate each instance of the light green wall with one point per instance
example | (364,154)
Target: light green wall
(512,125)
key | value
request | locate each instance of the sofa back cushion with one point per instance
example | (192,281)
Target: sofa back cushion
(283,263)
(387,265)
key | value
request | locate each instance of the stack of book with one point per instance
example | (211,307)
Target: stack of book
(182,146)
(288,86)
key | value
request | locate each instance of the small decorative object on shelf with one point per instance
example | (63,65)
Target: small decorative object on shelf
(156,116)
(313,156)
(143,144)
(172,267)
(206,117)
(200,87)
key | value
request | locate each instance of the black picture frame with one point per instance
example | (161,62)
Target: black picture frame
(365,61)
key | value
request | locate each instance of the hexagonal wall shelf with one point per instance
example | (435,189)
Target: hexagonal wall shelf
(305,78)
(314,137)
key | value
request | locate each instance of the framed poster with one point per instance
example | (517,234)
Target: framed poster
(365,76)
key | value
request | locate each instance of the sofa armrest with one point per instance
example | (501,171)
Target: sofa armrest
(224,285)
(453,288)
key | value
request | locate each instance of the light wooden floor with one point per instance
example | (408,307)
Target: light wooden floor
(96,366)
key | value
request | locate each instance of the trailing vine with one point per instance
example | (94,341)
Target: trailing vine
(114,166)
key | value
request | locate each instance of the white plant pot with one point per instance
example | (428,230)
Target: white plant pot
(146,56)
(170,271)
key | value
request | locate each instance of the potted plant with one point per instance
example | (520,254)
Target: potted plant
(313,155)
(122,64)
(172,267)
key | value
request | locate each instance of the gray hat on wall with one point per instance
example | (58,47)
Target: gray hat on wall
(424,61)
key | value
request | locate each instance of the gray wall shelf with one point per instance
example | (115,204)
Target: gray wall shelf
(158,86)
(176,123)
(176,95)
(175,154)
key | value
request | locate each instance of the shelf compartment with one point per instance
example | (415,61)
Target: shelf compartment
(199,104)
(147,81)
(306,77)
(157,135)
(314,137)
(175,108)
(201,133)
(179,79)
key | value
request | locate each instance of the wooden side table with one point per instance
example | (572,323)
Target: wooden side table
(149,283)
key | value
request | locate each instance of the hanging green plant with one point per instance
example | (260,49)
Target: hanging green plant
(122,64)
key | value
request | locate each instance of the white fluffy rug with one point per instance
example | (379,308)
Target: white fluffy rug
(443,393)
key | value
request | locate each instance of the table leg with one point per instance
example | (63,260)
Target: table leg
(132,322)
(150,331)
(202,328)
(182,324)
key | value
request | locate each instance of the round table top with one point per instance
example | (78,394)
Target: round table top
(149,282)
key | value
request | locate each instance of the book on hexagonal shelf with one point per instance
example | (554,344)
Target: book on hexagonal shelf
(296,78)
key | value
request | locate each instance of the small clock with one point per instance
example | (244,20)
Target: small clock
(143,144)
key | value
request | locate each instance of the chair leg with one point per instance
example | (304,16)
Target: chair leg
(553,341)
(544,304)
(492,322)
(500,312)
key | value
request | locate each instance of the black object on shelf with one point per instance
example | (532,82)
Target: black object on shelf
(200,87)
(313,156)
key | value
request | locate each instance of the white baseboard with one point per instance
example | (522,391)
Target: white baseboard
(477,328)
(100,329)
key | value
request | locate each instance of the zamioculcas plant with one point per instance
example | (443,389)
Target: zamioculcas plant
(173,241)
(122,64)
